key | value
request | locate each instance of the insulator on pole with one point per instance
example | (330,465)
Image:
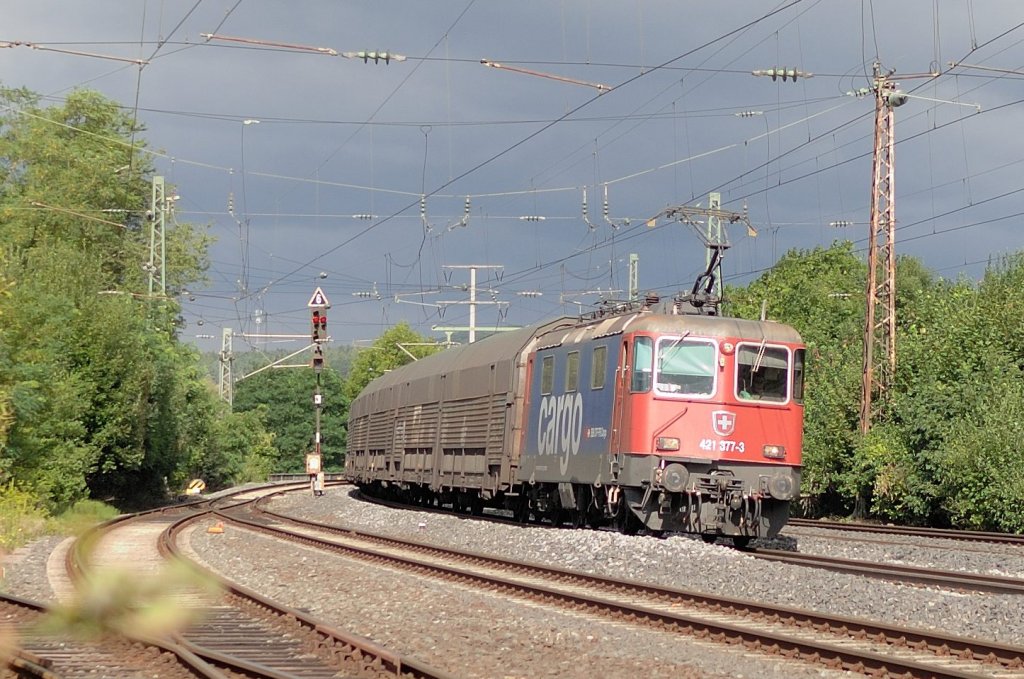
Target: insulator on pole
(781,72)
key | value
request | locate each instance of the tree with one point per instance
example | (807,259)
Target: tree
(819,292)
(286,397)
(389,351)
(91,371)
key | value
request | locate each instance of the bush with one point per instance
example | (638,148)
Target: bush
(83,515)
(982,475)
(22,519)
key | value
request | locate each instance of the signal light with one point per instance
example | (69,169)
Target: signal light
(318,359)
(319,327)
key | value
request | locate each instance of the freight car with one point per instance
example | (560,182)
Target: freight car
(650,415)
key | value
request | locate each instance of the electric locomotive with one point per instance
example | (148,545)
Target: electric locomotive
(656,415)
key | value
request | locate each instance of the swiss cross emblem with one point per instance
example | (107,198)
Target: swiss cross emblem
(723,422)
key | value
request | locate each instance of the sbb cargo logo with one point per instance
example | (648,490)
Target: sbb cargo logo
(560,427)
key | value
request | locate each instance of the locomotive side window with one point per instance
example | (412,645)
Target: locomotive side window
(547,374)
(686,367)
(798,375)
(643,359)
(598,365)
(572,372)
(762,373)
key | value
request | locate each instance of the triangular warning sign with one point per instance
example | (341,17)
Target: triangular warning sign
(319,299)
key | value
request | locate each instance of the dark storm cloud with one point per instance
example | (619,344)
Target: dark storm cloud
(409,127)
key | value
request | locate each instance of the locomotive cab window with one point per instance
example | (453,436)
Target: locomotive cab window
(685,367)
(547,374)
(643,359)
(762,373)
(798,375)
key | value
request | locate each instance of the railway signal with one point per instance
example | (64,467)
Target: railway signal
(319,326)
(319,304)
(318,359)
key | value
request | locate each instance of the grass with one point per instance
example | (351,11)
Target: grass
(23,519)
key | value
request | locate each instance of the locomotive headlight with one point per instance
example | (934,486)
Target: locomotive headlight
(775,452)
(667,443)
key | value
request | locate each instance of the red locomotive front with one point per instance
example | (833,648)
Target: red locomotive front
(708,424)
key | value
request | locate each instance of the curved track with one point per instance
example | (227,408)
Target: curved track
(238,634)
(55,655)
(841,643)
(915,575)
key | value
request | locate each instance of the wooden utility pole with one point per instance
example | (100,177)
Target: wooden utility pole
(880,317)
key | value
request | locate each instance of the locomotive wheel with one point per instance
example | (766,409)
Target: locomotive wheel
(578,516)
(590,514)
(557,516)
(625,521)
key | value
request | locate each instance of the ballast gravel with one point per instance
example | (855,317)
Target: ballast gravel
(476,635)
(688,563)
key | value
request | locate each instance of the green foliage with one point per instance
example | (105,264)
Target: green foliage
(245,450)
(948,444)
(21,517)
(82,516)
(122,602)
(885,471)
(982,464)
(286,397)
(386,354)
(94,386)
(820,293)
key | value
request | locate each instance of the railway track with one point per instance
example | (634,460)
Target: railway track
(37,652)
(236,634)
(835,642)
(958,580)
(915,575)
(943,533)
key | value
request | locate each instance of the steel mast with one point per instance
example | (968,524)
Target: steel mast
(879,367)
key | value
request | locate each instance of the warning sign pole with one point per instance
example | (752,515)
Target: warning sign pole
(314,460)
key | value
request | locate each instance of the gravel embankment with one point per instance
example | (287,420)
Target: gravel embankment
(690,564)
(477,635)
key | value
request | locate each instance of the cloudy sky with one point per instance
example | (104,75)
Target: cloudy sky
(382,182)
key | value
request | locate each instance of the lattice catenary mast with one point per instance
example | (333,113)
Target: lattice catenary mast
(879,366)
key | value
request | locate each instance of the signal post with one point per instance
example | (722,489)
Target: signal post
(318,332)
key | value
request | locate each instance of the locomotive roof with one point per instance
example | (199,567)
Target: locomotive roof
(659,322)
(717,326)
(503,346)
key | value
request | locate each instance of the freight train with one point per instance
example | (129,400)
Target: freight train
(656,416)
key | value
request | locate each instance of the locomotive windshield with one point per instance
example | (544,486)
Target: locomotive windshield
(685,366)
(762,373)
